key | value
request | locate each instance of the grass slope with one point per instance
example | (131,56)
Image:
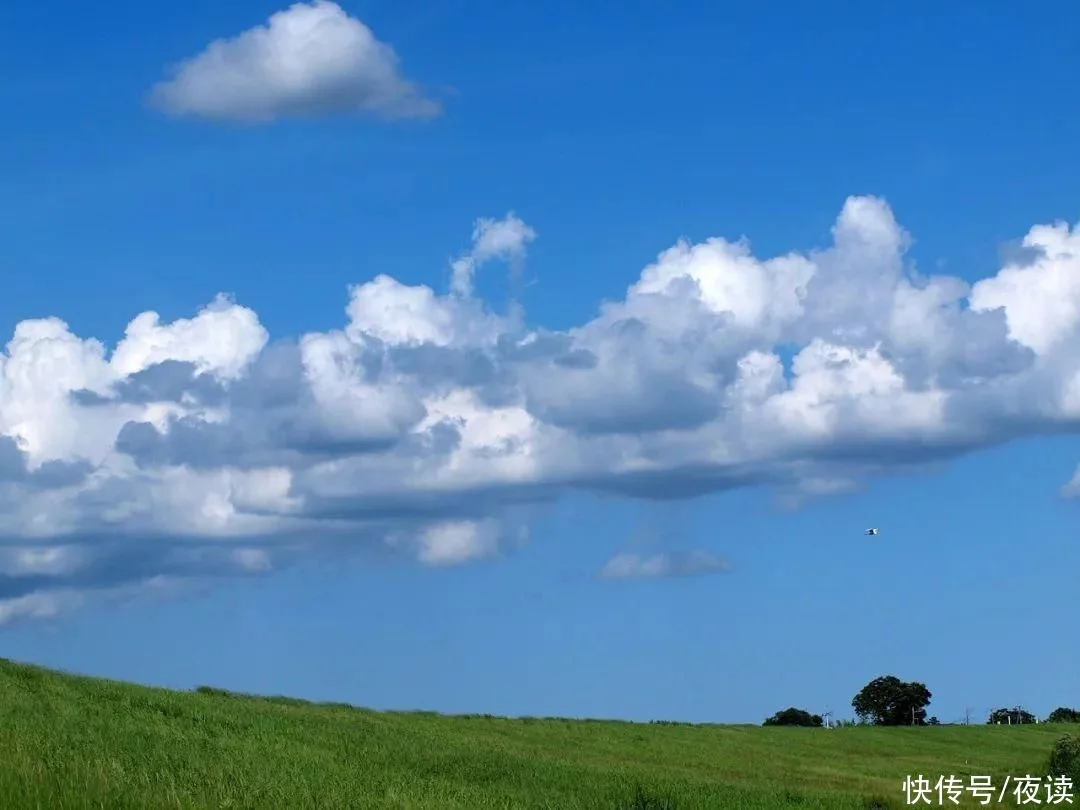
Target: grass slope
(69,741)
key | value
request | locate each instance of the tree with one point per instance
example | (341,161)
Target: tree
(1065,758)
(1063,715)
(1015,716)
(888,701)
(793,717)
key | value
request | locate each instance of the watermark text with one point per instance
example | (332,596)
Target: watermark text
(945,790)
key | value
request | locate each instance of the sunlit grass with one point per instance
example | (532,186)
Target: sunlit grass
(68,741)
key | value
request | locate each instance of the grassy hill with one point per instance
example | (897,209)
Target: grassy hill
(69,741)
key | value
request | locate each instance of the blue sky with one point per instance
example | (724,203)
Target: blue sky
(436,500)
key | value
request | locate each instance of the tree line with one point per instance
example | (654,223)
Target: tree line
(889,701)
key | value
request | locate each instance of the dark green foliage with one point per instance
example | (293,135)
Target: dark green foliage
(888,701)
(1013,717)
(642,800)
(793,717)
(1065,758)
(1063,715)
(881,803)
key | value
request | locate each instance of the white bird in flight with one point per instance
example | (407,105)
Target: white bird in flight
(871,532)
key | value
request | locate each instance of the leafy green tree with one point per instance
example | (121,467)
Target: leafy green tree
(793,717)
(889,701)
(1013,716)
(1065,758)
(1063,715)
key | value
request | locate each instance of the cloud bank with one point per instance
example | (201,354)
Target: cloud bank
(429,424)
(312,59)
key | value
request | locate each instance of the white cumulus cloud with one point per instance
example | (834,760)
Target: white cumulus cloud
(310,59)
(429,425)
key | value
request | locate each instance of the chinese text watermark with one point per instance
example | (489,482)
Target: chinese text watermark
(947,790)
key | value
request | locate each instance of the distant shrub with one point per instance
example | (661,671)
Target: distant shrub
(285,700)
(338,705)
(1063,715)
(793,717)
(213,690)
(1065,758)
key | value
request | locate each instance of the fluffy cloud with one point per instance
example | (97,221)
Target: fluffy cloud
(430,425)
(311,59)
(663,565)
(492,239)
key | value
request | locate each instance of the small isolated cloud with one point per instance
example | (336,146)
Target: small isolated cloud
(664,565)
(503,239)
(1071,489)
(311,59)
(452,542)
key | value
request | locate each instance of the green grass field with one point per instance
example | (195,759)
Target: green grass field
(69,741)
